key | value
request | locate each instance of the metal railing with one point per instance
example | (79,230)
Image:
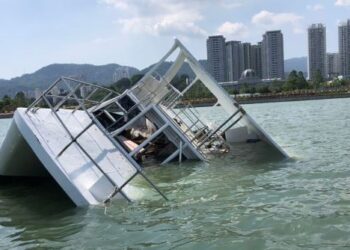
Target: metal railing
(185,117)
(67,93)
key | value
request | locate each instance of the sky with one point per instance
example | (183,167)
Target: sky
(138,33)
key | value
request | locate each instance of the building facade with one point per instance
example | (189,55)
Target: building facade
(246,49)
(272,55)
(255,60)
(240,57)
(344,48)
(234,56)
(216,54)
(333,65)
(317,51)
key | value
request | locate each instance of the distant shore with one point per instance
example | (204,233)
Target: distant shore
(6,115)
(205,102)
(263,99)
(274,98)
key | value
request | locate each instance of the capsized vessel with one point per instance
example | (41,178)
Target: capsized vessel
(94,141)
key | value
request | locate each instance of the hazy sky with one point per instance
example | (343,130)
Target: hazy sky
(35,33)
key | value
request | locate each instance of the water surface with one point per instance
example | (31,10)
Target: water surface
(247,201)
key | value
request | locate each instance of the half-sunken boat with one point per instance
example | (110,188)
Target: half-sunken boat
(94,141)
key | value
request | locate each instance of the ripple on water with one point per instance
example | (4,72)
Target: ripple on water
(244,201)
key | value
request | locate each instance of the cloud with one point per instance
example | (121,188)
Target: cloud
(278,20)
(230,4)
(315,7)
(160,17)
(166,17)
(342,2)
(233,30)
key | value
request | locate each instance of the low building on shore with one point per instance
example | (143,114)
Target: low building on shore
(249,78)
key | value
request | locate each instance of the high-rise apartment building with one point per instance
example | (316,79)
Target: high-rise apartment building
(255,59)
(234,56)
(344,48)
(216,54)
(242,56)
(272,55)
(246,48)
(237,57)
(317,50)
(333,65)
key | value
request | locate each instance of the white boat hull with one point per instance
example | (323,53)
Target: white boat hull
(17,157)
(32,145)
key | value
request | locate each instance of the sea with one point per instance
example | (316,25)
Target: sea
(246,199)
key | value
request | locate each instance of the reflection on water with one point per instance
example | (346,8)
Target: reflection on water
(246,200)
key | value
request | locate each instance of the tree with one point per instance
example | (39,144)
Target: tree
(303,84)
(244,88)
(180,82)
(135,78)
(295,80)
(6,100)
(7,104)
(317,79)
(292,81)
(235,91)
(121,85)
(276,86)
(20,99)
(263,89)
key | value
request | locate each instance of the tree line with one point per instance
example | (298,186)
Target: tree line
(294,81)
(9,104)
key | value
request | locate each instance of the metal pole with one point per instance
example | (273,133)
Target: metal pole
(119,189)
(180,152)
(239,118)
(148,140)
(218,128)
(64,99)
(122,150)
(74,139)
(42,95)
(81,148)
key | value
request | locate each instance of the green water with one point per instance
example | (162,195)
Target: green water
(245,201)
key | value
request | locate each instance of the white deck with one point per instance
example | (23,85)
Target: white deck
(83,182)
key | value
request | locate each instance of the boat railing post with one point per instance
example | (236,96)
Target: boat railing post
(121,149)
(180,152)
(234,123)
(65,98)
(148,140)
(218,128)
(119,189)
(81,147)
(38,100)
(87,98)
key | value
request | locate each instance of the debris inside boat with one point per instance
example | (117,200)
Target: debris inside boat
(94,141)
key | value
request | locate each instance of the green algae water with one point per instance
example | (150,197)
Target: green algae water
(247,200)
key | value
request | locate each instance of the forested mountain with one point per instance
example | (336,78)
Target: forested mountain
(45,76)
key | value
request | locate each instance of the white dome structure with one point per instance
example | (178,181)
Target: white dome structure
(249,76)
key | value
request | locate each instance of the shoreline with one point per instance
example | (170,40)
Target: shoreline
(6,115)
(272,99)
(249,100)
(291,98)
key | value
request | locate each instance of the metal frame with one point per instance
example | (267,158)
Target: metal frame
(94,122)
